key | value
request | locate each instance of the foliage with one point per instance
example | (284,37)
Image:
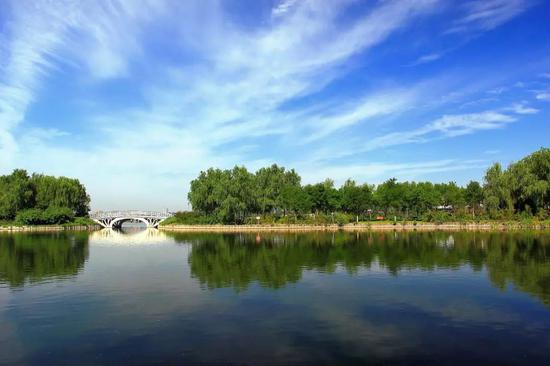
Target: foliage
(60,192)
(188,218)
(356,199)
(16,194)
(523,187)
(31,216)
(41,198)
(82,221)
(238,196)
(51,215)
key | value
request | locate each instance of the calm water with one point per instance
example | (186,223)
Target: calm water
(148,297)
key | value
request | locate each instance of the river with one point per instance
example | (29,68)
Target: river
(149,297)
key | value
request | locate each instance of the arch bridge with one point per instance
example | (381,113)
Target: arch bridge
(115,219)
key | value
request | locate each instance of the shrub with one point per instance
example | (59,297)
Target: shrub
(189,218)
(439,217)
(57,215)
(83,221)
(341,218)
(32,216)
(51,215)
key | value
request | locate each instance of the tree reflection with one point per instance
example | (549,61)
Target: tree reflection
(31,257)
(274,260)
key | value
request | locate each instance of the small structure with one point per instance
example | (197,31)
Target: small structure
(115,219)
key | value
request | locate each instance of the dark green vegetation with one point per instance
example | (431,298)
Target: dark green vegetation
(42,199)
(33,257)
(237,196)
(275,260)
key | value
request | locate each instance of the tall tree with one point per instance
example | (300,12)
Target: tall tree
(473,194)
(355,199)
(496,190)
(60,192)
(270,182)
(16,194)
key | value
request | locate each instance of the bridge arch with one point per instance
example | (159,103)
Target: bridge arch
(117,223)
(115,219)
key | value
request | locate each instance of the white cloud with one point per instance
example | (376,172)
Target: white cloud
(427,58)
(44,34)
(521,108)
(283,7)
(444,127)
(484,15)
(372,106)
(543,96)
(377,172)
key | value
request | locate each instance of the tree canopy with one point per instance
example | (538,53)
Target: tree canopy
(41,198)
(233,195)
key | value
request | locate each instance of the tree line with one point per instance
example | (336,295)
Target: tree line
(41,199)
(238,196)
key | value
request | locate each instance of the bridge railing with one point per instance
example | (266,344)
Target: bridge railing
(129,213)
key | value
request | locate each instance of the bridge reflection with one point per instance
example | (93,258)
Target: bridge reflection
(128,237)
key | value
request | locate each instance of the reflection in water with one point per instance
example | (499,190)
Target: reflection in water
(37,257)
(522,259)
(128,236)
(246,299)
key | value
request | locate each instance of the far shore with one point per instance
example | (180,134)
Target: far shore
(409,226)
(43,228)
(374,226)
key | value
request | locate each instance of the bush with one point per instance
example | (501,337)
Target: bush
(439,217)
(51,215)
(32,216)
(83,221)
(57,215)
(189,218)
(341,218)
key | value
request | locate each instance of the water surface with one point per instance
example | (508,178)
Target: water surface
(149,297)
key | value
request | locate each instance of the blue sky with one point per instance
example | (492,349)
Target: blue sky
(134,98)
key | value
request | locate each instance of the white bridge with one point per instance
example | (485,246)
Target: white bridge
(115,219)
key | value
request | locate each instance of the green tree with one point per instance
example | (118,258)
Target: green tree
(529,181)
(496,191)
(295,200)
(16,194)
(270,182)
(473,194)
(391,196)
(60,192)
(323,196)
(228,195)
(355,199)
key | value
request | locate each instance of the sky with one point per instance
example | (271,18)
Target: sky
(135,98)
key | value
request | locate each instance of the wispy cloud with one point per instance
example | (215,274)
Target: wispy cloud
(543,96)
(45,34)
(451,126)
(427,58)
(484,15)
(377,172)
(522,108)
(283,7)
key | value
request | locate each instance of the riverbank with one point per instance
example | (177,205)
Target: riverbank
(374,226)
(42,228)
